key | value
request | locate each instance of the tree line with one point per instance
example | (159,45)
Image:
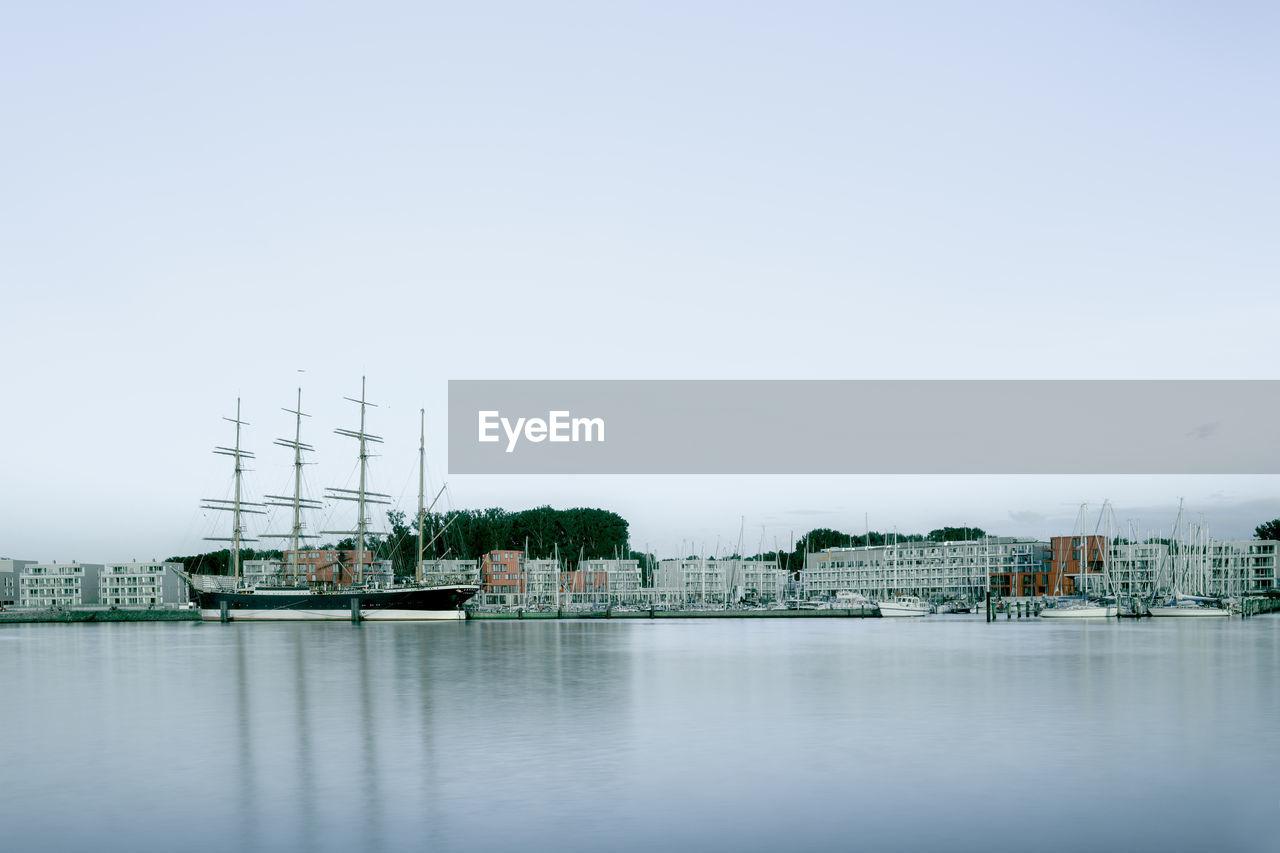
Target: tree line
(542,532)
(575,534)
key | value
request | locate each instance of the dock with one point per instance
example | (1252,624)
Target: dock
(98,614)
(615,613)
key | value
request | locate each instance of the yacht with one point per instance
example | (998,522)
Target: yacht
(903,605)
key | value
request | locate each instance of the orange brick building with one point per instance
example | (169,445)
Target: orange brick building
(502,573)
(328,566)
(1029,579)
(1065,561)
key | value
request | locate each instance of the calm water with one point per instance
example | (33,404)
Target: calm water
(709,735)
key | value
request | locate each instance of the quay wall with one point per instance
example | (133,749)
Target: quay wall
(98,614)
(845,613)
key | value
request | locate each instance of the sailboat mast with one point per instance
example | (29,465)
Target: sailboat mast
(362,522)
(237,506)
(422,466)
(297,489)
(235,528)
(362,496)
(297,502)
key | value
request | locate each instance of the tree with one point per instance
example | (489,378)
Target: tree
(1268,530)
(956,534)
(820,539)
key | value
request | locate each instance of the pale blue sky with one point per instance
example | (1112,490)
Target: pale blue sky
(197,201)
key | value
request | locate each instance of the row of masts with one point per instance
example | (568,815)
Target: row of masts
(1184,566)
(361,496)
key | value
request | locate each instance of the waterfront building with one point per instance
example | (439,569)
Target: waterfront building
(1242,567)
(502,578)
(58,584)
(446,572)
(541,582)
(508,579)
(699,581)
(1136,568)
(262,572)
(334,566)
(617,580)
(137,584)
(1065,558)
(1223,569)
(933,570)
(10,570)
(762,581)
(585,586)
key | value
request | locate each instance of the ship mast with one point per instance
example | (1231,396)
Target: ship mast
(237,507)
(297,502)
(362,496)
(422,467)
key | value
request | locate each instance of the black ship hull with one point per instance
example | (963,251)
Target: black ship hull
(378,605)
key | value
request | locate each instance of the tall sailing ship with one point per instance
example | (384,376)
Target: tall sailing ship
(335,594)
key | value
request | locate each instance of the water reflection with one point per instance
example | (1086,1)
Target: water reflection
(755,735)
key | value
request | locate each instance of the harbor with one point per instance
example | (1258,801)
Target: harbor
(589,734)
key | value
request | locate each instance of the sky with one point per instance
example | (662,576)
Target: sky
(200,203)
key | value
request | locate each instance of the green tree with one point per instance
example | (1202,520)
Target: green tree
(1268,530)
(956,534)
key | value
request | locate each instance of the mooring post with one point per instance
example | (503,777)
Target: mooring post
(224,611)
(355,609)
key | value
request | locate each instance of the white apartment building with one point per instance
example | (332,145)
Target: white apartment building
(137,584)
(1135,566)
(448,572)
(1224,569)
(277,572)
(702,581)
(58,584)
(262,572)
(541,581)
(621,579)
(931,570)
(1242,567)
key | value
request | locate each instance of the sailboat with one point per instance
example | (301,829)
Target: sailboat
(1177,603)
(1082,607)
(229,598)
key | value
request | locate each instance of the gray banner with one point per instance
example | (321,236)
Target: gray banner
(863,427)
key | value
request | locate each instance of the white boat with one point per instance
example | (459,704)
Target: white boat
(903,605)
(1189,606)
(1079,609)
(851,600)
